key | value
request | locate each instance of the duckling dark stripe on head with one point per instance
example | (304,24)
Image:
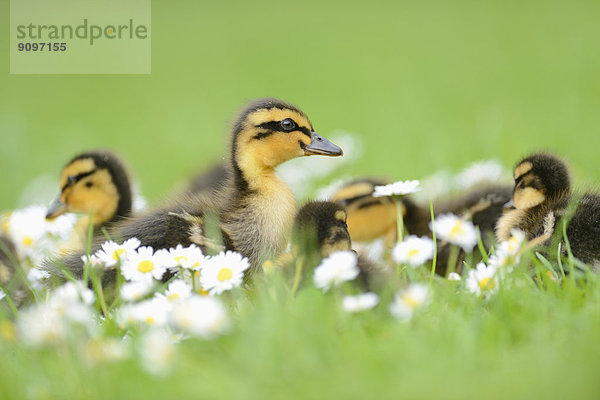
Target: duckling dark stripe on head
(73,180)
(275,126)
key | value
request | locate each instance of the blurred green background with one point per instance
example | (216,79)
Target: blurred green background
(429,85)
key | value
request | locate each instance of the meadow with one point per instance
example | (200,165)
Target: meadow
(425,86)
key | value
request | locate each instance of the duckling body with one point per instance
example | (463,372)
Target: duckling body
(541,197)
(253,211)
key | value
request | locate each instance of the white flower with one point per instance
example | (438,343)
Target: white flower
(178,290)
(113,253)
(512,246)
(200,315)
(153,312)
(94,260)
(361,302)
(186,257)
(2,294)
(157,351)
(134,291)
(453,276)
(406,302)
(397,188)
(33,235)
(41,324)
(413,250)
(339,267)
(482,171)
(144,263)
(482,280)
(455,230)
(223,272)
(36,277)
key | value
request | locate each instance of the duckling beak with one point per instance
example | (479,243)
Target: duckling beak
(56,209)
(509,205)
(320,145)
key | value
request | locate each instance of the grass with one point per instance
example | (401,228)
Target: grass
(427,85)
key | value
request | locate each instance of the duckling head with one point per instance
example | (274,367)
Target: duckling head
(93,182)
(321,225)
(269,132)
(538,178)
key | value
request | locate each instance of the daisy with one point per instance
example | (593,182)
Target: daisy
(178,290)
(156,351)
(113,253)
(413,250)
(153,312)
(512,246)
(406,302)
(27,229)
(134,291)
(339,267)
(482,171)
(455,230)
(399,188)
(223,272)
(482,280)
(361,302)
(41,325)
(199,315)
(144,263)
(186,257)
(2,294)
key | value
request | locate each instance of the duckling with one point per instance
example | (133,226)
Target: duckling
(541,197)
(94,182)
(254,209)
(320,228)
(371,217)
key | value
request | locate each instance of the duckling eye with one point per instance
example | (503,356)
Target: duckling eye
(288,124)
(89,184)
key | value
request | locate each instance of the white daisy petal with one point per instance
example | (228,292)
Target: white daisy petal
(361,302)
(455,230)
(406,302)
(414,251)
(339,267)
(399,188)
(482,280)
(200,315)
(223,272)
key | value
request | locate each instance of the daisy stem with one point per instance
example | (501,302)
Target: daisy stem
(399,219)
(297,275)
(97,285)
(88,246)
(452,259)
(480,246)
(11,304)
(434,261)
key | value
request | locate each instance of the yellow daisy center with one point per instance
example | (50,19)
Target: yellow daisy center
(145,266)
(150,320)
(180,260)
(117,253)
(173,296)
(224,274)
(457,229)
(196,264)
(202,292)
(27,241)
(413,252)
(486,284)
(410,301)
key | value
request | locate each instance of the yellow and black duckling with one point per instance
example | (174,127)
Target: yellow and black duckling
(254,209)
(370,218)
(94,183)
(211,179)
(320,228)
(541,197)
